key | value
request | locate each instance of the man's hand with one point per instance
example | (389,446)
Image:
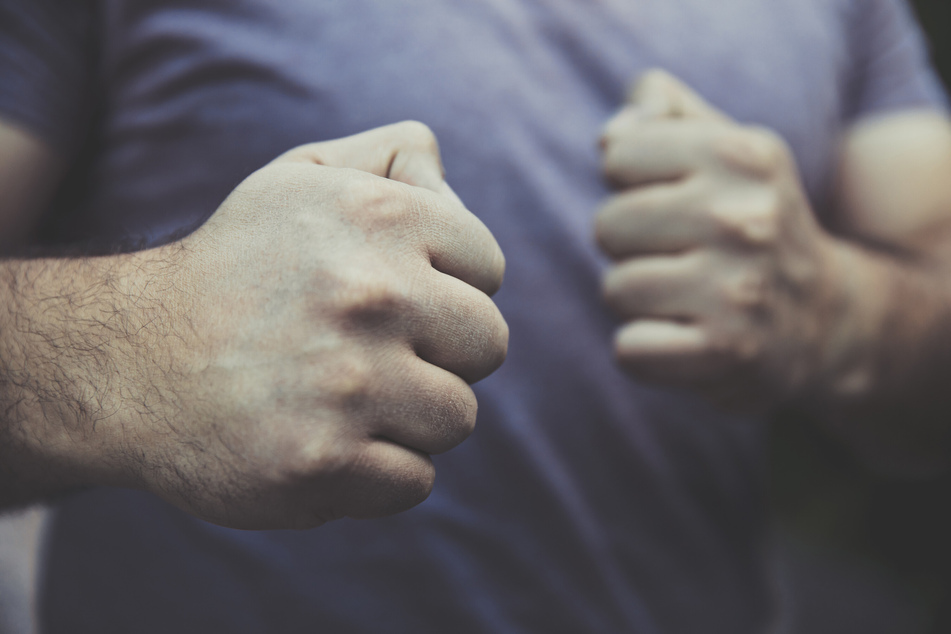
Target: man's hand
(294,361)
(722,274)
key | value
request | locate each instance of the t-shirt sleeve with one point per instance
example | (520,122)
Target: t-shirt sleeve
(46,68)
(890,67)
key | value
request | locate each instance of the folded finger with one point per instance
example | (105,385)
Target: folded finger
(388,478)
(672,287)
(661,94)
(407,152)
(426,409)
(461,331)
(652,220)
(639,151)
(666,352)
(458,243)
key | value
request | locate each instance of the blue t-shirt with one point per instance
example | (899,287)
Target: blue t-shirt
(583,502)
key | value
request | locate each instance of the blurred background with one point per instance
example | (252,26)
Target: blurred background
(863,553)
(935,16)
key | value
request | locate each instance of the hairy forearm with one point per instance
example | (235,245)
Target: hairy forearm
(886,381)
(75,335)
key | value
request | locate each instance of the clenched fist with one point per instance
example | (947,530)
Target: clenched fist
(720,267)
(326,324)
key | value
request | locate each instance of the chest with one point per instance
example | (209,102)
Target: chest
(234,84)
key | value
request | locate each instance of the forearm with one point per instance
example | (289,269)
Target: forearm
(241,374)
(746,299)
(75,335)
(886,359)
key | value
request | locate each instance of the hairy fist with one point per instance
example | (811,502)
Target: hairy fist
(720,267)
(333,312)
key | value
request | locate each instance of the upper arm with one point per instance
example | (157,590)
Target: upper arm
(29,173)
(894,185)
(894,169)
(46,65)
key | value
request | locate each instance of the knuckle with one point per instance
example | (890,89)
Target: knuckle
(728,220)
(454,418)
(500,344)
(420,134)
(650,81)
(275,186)
(747,291)
(377,203)
(418,483)
(656,76)
(392,487)
(372,484)
(756,151)
(619,137)
(307,152)
(492,275)
(318,460)
(497,273)
(376,303)
(769,149)
(763,223)
(489,341)
(618,128)
(463,408)
(349,387)
(756,222)
(770,142)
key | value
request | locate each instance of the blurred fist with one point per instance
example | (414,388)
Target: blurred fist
(720,266)
(334,311)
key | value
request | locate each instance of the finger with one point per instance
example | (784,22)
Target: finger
(638,152)
(407,152)
(458,243)
(660,219)
(661,287)
(426,409)
(463,332)
(659,94)
(666,352)
(389,478)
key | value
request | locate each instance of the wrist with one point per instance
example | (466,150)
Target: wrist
(147,346)
(880,387)
(849,311)
(76,338)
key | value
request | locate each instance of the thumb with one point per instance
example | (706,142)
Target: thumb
(659,94)
(407,152)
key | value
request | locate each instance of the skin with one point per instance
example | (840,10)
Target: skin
(29,173)
(728,285)
(294,361)
(299,357)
